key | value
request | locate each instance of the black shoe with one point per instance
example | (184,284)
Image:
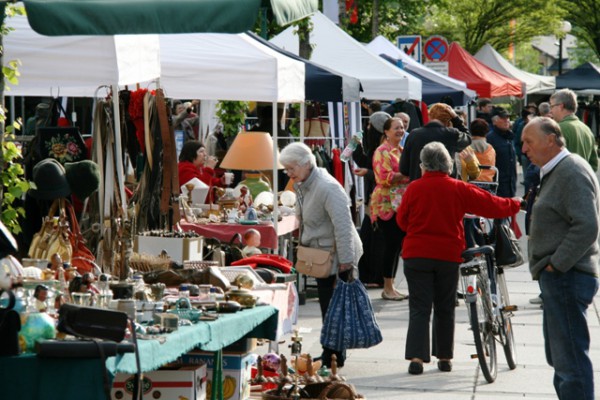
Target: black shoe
(445,365)
(415,368)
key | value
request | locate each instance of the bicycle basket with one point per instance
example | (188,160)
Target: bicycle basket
(491,187)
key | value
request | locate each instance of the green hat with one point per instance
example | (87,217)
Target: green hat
(83,177)
(50,180)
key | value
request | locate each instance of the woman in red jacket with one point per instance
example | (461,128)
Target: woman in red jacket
(194,162)
(431,213)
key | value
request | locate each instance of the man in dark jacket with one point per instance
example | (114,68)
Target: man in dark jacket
(445,127)
(501,138)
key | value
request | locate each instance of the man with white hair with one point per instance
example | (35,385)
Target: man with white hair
(579,138)
(564,254)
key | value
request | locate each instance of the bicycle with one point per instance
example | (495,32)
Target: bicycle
(488,305)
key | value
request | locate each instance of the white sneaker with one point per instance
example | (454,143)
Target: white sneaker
(536,300)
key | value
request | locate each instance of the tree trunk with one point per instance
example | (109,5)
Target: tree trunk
(375,26)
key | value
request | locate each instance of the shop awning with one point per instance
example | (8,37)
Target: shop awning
(110,17)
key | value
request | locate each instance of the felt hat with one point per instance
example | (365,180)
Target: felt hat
(50,180)
(83,177)
(500,112)
(377,119)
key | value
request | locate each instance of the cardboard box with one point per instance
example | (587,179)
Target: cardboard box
(237,372)
(241,346)
(179,249)
(172,382)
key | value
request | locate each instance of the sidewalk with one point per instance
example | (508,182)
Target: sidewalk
(382,373)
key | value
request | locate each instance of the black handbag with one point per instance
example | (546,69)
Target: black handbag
(10,325)
(508,252)
(91,322)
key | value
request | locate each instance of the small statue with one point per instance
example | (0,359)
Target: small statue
(245,198)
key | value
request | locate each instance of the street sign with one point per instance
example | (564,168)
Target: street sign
(436,48)
(441,67)
(411,45)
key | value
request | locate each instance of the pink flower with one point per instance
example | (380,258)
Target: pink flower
(72,148)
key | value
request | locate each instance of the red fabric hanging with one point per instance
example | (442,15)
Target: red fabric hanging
(338,168)
(352,10)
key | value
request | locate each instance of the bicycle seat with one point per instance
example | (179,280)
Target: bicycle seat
(473,252)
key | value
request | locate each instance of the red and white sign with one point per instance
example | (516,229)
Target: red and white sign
(436,48)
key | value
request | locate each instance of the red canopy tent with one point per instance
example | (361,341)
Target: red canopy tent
(478,76)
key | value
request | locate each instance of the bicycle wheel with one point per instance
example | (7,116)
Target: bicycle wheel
(506,329)
(482,326)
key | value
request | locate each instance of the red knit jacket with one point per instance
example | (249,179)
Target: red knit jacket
(432,210)
(188,171)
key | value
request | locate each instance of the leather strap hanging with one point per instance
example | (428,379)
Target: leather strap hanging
(169,159)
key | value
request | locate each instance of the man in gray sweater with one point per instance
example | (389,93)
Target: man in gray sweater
(563,254)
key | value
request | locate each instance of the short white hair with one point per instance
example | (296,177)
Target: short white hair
(297,153)
(436,158)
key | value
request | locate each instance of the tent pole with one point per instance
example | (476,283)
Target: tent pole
(275,173)
(118,151)
(302,117)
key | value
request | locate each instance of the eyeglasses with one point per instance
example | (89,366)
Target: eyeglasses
(554,105)
(290,169)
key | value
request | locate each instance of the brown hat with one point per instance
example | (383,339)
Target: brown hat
(442,112)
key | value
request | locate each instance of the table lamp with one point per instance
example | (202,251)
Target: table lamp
(251,151)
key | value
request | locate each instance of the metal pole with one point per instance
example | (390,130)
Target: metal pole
(560,56)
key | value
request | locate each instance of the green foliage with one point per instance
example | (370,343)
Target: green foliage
(393,18)
(13,183)
(474,23)
(584,16)
(233,115)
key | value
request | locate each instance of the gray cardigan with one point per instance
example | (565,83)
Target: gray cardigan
(565,219)
(324,212)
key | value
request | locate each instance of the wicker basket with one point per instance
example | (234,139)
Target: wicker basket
(318,391)
(199,264)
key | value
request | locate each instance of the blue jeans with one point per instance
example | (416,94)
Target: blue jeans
(567,338)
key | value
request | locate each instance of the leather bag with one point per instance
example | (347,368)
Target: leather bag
(508,252)
(314,262)
(54,236)
(350,322)
(82,258)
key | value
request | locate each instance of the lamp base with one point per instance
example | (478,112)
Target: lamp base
(255,184)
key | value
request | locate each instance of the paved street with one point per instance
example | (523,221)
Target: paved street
(381,372)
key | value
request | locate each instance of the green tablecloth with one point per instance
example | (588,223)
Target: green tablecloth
(27,377)
(259,322)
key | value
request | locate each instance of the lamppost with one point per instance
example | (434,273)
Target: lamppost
(565,28)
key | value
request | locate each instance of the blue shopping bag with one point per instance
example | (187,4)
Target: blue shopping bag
(350,322)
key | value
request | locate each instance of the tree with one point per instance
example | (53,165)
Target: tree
(584,15)
(390,18)
(474,23)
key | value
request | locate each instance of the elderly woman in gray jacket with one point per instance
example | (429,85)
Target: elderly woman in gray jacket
(324,212)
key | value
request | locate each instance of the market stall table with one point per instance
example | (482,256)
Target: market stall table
(224,232)
(28,377)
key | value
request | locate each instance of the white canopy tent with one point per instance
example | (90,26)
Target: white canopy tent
(215,66)
(75,66)
(337,50)
(533,83)
(381,45)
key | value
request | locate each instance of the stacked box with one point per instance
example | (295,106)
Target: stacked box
(178,249)
(237,372)
(173,381)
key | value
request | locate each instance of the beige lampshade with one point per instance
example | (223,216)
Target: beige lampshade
(250,151)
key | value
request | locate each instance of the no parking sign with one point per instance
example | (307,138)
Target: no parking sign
(436,48)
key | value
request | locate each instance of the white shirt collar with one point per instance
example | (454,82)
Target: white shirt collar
(549,166)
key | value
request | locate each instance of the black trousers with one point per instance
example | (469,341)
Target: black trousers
(431,283)
(325,288)
(369,268)
(388,237)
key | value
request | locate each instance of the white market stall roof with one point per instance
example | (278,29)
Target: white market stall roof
(76,65)
(214,66)
(335,49)
(533,83)
(381,45)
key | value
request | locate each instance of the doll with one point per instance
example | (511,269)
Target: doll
(252,242)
